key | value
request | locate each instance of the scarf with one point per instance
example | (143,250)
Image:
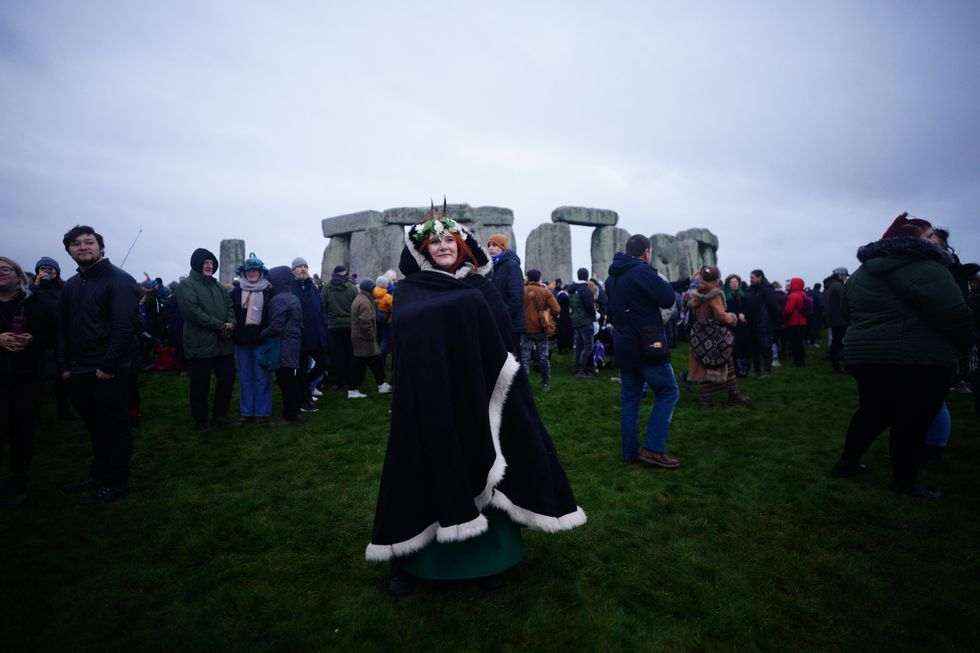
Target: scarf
(253,301)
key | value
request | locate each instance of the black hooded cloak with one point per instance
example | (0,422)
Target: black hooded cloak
(465,432)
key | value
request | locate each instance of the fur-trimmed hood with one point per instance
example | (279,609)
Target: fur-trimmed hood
(413,260)
(888,254)
(702,295)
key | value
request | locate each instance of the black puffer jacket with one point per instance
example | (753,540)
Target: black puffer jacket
(509,281)
(99,317)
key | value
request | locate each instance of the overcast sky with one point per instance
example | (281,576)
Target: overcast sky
(795,131)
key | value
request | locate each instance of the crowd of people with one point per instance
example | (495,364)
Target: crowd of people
(469,461)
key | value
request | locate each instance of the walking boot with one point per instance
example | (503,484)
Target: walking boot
(736,399)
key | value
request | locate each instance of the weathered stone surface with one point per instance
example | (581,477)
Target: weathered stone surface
(337,252)
(584,216)
(549,249)
(375,250)
(347,224)
(701,235)
(606,241)
(414,214)
(493,215)
(232,252)
(665,255)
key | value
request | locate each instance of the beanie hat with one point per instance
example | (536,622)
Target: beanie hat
(298,261)
(253,262)
(534,275)
(201,255)
(366,285)
(500,240)
(381,282)
(340,269)
(840,271)
(47,260)
(905,227)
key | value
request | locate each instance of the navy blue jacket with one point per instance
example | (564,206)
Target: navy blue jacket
(314,328)
(509,281)
(636,295)
(99,319)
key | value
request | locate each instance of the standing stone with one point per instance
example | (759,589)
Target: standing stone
(584,216)
(406,215)
(665,255)
(375,250)
(482,233)
(706,246)
(493,215)
(549,249)
(606,241)
(232,253)
(337,252)
(346,224)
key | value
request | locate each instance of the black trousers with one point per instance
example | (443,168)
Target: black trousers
(290,383)
(905,397)
(837,345)
(224,371)
(320,362)
(760,351)
(102,405)
(17,418)
(341,355)
(361,363)
(796,336)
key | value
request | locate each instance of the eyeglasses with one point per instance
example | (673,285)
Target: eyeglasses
(6,270)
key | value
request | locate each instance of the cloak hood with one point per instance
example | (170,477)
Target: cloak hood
(413,260)
(198,258)
(704,294)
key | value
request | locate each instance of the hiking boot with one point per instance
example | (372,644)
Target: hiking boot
(104,495)
(658,459)
(845,469)
(384,388)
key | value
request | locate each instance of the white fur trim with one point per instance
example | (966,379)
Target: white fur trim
(496,411)
(426,266)
(460,532)
(534,520)
(411,545)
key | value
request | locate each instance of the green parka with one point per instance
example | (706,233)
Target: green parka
(904,307)
(205,306)
(337,298)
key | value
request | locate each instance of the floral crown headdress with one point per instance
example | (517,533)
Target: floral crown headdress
(434,224)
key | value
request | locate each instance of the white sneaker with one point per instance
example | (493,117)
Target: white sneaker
(314,398)
(384,389)
(355,394)
(317,393)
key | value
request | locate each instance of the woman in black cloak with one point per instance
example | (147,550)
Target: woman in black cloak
(469,461)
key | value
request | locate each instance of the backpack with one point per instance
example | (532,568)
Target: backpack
(575,302)
(711,342)
(807,309)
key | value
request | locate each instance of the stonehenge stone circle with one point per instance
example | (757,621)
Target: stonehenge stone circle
(549,249)
(337,252)
(606,241)
(231,253)
(584,216)
(375,250)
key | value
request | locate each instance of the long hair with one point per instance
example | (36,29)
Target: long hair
(25,287)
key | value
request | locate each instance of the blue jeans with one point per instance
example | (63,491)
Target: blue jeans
(255,394)
(538,341)
(661,380)
(938,433)
(583,347)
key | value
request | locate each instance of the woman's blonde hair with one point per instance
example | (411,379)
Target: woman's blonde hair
(19,271)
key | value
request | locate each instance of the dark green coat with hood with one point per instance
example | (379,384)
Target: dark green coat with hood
(904,307)
(205,306)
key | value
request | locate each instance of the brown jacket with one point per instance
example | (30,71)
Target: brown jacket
(363,329)
(545,299)
(708,301)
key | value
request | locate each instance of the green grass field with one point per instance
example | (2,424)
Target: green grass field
(253,539)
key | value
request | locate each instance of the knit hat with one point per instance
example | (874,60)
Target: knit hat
(499,240)
(905,227)
(381,282)
(298,261)
(366,285)
(340,269)
(201,255)
(840,271)
(47,260)
(253,262)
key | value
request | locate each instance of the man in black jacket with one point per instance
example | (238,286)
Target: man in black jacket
(764,317)
(99,322)
(509,281)
(836,321)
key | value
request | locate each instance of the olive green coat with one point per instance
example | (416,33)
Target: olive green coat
(904,307)
(363,328)
(205,306)
(337,299)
